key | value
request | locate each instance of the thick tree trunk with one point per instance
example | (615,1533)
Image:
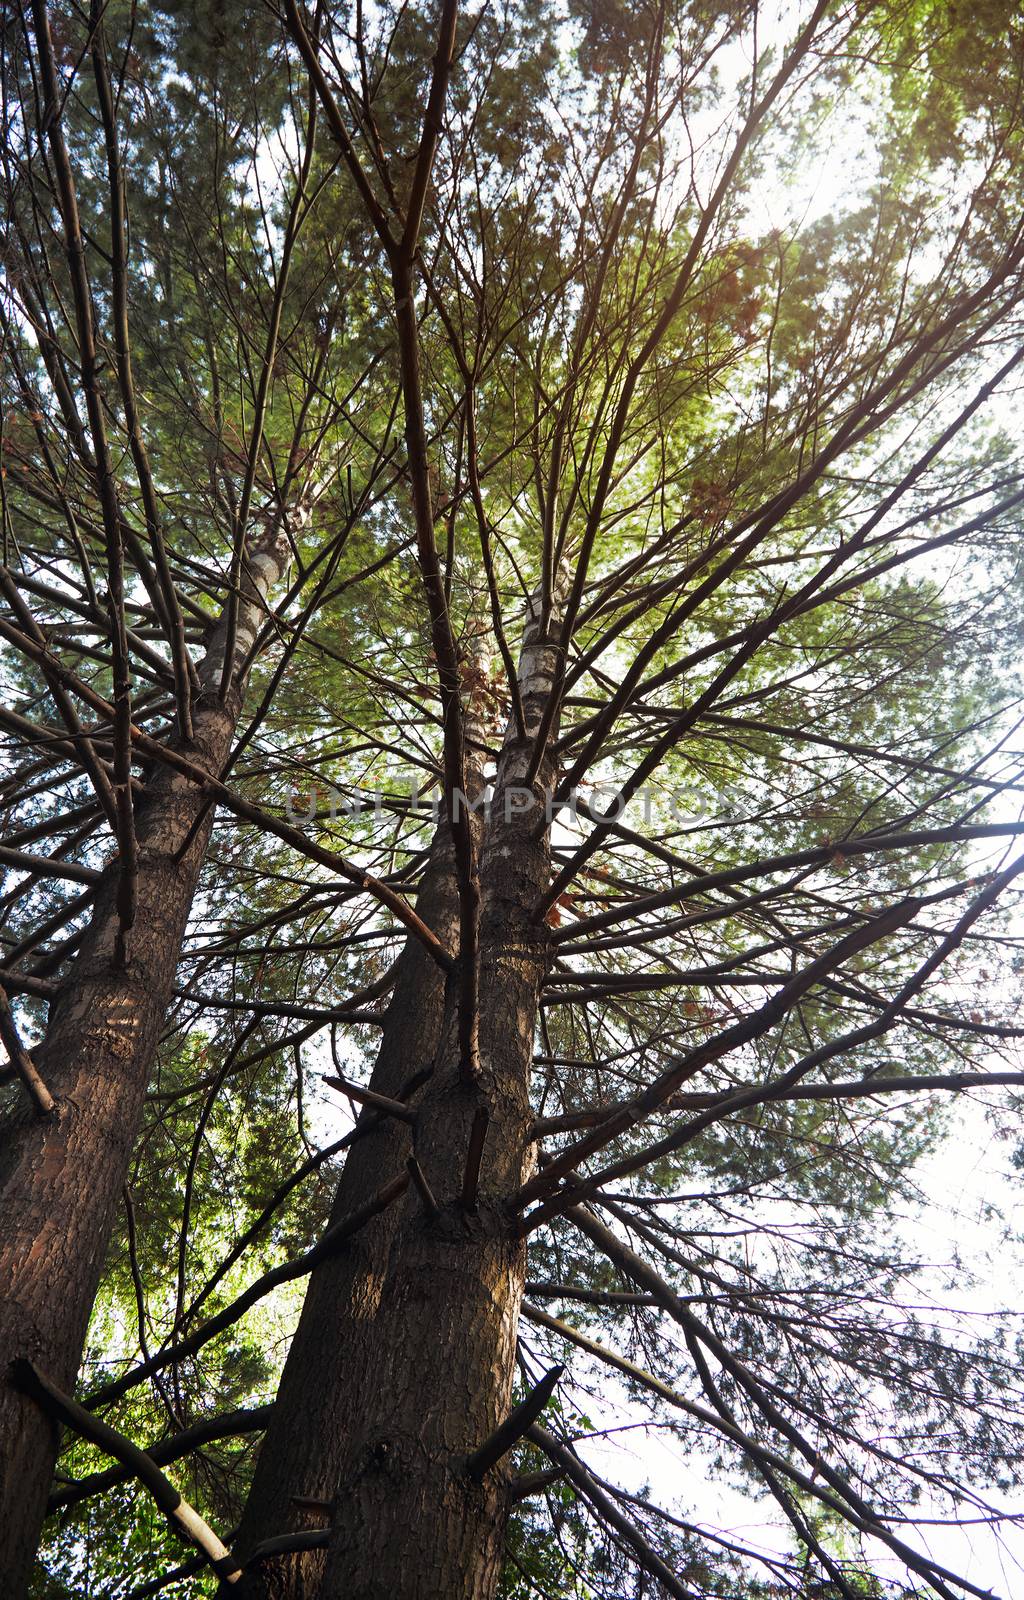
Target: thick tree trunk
(405,1355)
(432,1376)
(61,1177)
(300,1458)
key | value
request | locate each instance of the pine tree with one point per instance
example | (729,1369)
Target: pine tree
(674,553)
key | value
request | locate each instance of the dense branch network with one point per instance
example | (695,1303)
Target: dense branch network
(450,452)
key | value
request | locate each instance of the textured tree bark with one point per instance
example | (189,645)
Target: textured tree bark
(299,1456)
(299,1459)
(61,1178)
(432,1375)
(405,1354)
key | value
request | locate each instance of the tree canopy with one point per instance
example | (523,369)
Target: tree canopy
(511,625)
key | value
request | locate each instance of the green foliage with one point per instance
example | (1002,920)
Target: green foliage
(872,703)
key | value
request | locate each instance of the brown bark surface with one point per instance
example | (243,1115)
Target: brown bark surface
(300,1457)
(300,1453)
(433,1374)
(61,1177)
(404,1360)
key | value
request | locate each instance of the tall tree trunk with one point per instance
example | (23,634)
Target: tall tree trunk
(432,1376)
(405,1356)
(300,1458)
(61,1178)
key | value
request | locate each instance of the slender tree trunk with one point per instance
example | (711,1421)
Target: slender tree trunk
(61,1177)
